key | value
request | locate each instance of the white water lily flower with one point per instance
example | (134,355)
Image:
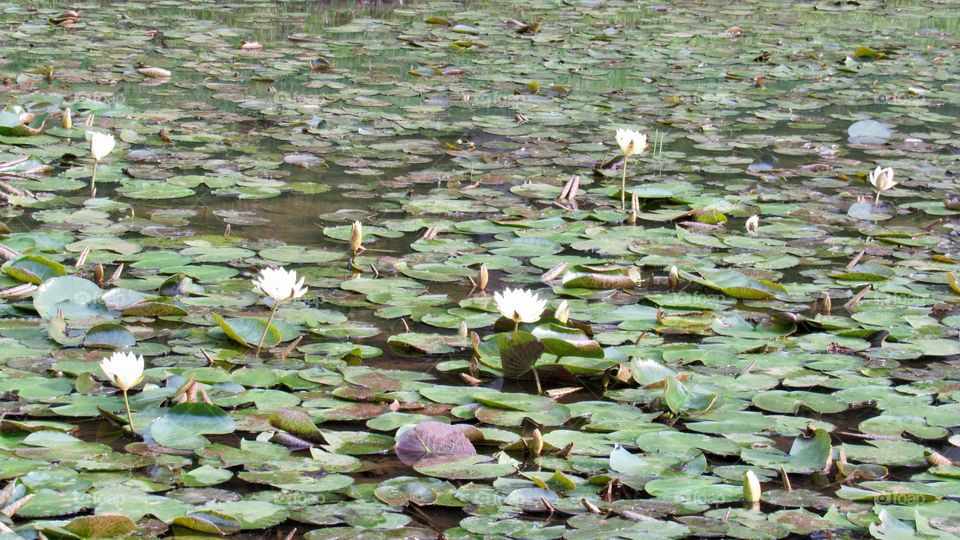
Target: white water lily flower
(562,313)
(125,370)
(753,223)
(101,144)
(882,179)
(520,305)
(631,142)
(279,284)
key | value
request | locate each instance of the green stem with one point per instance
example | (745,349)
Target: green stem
(516,328)
(623,186)
(876,201)
(266,328)
(126,403)
(536,379)
(93,179)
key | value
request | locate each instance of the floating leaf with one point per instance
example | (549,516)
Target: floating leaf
(109,336)
(868,132)
(519,352)
(101,526)
(184,425)
(33,269)
(210,522)
(473,467)
(73,297)
(247,330)
(563,341)
(736,284)
(592,277)
(297,423)
(429,440)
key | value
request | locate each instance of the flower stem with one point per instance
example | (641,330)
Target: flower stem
(623,186)
(266,328)
(126,403)
(876,200)
(516,328)
(536,379)
(93,179)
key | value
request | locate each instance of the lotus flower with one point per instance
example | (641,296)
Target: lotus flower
(125,370)
(520,305)
(882,180)
(101,144)
(279,284)
(631,142)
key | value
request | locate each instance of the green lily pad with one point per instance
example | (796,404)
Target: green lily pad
(184,425)
(247,330)
(33,269)
(109,336)
(473,467)
(76,298)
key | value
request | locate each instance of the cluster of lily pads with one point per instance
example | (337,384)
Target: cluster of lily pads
(482,307)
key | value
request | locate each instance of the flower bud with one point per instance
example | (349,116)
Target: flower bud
(562,313)
(936,458)
(751,487)
(67,119)
(356,237)
(536,443)
(484,278)
(673,278)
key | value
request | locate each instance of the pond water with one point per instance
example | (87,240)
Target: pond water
(816,351)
